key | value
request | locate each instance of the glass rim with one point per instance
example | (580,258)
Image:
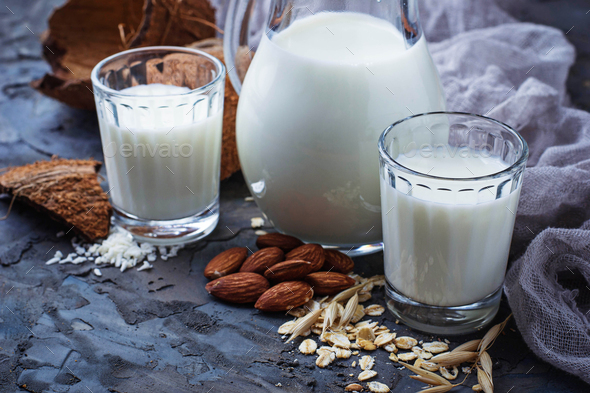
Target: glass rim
(218,64)
(384,154)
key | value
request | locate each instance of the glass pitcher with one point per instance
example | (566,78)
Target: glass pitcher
(327,77)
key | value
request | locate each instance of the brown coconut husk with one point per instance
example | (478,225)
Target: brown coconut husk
(67,190)
(83,32)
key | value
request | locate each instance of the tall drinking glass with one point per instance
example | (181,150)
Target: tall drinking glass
(160,113)
(450,184)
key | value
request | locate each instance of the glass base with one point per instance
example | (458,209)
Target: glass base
(169,232)
(450,320)
(357,251)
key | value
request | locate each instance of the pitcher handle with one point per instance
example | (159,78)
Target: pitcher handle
(235,38)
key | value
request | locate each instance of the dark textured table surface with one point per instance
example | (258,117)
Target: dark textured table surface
(63,329)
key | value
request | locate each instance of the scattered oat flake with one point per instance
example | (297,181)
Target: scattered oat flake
(366,375)
(449,373)
(353,365)
(377,387)
(325,358)
(435,347)
(97,272)
(308,347)
(374,310)
(367,362)
(353,387)
(405,342)
(429,366)
(407,356)
(390,348)
(287,327)
(249,199)
(342,353)
(384,339)
(393,356)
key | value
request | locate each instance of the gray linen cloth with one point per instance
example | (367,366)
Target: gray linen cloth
(515,72)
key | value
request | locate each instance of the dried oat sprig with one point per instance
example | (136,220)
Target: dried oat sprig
(486,363)
(304,324)
(330,317)
(454,358)
(488,340)
(484,381)
(347,293)
(469,346)
(349,310)
(432,378)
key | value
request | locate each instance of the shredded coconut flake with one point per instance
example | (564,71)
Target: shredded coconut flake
(146,265)
(119,249)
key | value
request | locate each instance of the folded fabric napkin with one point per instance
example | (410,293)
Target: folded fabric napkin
(516,72)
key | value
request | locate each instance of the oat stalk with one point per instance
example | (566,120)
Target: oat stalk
(434,379)
(486,363)
(454,358)
(304,324)
(348,293)
(349,310)
(490,337)
(485,381)
(469,346)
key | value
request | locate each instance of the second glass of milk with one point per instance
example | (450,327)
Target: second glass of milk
(160,112)
(450,184)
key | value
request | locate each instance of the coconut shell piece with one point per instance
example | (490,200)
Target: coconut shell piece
(67,190)
(83,32)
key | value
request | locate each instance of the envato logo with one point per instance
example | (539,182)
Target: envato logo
(143,150)
(444,150)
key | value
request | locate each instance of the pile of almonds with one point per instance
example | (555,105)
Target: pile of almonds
(284,274)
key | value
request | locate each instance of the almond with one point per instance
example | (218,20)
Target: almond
(262,260)
(288,271)
(225,263)
(337,261)
(313,253)
(285,296)
(284,242)
(238,287)
(329,283)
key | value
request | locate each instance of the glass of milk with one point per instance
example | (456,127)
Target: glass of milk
(160,113)
(450,184)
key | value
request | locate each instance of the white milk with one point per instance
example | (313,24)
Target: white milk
(447,253)
(314,102)
(156,171)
